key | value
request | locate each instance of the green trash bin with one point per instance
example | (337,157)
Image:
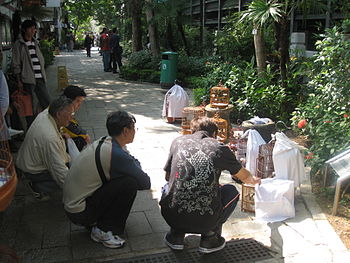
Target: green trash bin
(168,69)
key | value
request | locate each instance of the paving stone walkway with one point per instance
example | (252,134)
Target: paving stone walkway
(40,231)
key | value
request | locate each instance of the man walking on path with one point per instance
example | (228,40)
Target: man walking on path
(87,44)
(116,51)
(103,181)
(29,65)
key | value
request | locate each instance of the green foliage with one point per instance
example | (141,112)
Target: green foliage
(192,66)
(47,48)
(187,67)
(78,11)
(346,26)
(251,94)
(147,75)
(200,89)
(261,12)
(257,95)
(143,60)
(200,95)
(235,41)
(327,107)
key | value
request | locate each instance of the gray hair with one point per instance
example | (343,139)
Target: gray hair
(58,105)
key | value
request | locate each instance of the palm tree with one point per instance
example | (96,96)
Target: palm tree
(264,13)
(261,14)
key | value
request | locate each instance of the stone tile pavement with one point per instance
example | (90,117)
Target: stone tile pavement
(40,231)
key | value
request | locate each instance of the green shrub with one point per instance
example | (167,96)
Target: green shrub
(327,107)
(47,48)
(143,60)
(200,95)
(255,95)
(147,75)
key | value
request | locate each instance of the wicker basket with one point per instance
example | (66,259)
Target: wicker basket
(188,114)
(248,193)
(8,179)
(219,96)
(241,153)
(223,129)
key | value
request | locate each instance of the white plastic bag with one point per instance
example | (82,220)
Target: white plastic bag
(274,200)
(175,100)
(253,143)
(288,160)
(72,150)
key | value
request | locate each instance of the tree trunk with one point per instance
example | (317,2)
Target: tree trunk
(260,52)
(182,33)
(284,52)
(152,30)
(169,36)
(201,29)
(136,12)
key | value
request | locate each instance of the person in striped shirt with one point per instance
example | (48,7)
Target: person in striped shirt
(29,66)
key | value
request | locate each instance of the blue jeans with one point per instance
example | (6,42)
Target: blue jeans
(106,58)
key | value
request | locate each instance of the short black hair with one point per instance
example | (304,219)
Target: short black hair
(73,91)
(27,24)
(117,121)
(58,105)
(204,124)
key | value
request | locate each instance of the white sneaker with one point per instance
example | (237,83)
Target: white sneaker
(106,238)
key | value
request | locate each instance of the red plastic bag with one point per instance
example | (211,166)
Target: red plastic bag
(23,102)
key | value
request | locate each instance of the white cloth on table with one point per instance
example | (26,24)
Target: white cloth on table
(175,100)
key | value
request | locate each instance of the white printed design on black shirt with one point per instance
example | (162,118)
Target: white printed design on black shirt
(194,189)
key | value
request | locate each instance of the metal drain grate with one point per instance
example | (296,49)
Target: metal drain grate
(244,250)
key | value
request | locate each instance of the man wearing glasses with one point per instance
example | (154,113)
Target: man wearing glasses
(103,181)
(43,157)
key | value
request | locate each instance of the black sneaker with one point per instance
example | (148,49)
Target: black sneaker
(174,241)
(210,244)
(38,195)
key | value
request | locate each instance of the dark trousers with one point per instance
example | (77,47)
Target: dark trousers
(42,182)
(116,59)
(41,92)
(229,200)
(88,51)
(109,206)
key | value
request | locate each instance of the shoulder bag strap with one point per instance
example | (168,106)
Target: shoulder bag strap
(98,160)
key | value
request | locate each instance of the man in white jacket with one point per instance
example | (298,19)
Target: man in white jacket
(43,157)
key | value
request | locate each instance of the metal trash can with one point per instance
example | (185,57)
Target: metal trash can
(168,69)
